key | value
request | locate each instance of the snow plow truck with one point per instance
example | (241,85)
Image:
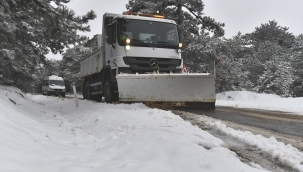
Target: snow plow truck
(137,58)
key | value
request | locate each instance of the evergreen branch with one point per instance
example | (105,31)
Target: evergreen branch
(192,12)
(33,47)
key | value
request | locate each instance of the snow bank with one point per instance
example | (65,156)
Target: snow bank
(287,155)
(40,133)
(247,99)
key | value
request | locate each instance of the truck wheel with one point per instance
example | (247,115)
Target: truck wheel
(87,91)
(98,98)
(83,91)
(108,92)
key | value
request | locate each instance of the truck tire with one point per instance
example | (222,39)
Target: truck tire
(98,98)
(87,91)
(108,92)
(83,90)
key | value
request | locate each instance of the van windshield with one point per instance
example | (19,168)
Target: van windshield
(56,82)
(144,33)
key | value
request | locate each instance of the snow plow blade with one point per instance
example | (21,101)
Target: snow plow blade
(189,89)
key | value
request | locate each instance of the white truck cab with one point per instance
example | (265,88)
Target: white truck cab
(53,85)
(137,58)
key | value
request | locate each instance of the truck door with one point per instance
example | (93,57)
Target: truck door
(111,44)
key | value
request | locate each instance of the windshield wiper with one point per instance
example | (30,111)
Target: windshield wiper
(163,42)
(136,40)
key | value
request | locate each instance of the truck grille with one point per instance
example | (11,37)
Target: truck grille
(143,63)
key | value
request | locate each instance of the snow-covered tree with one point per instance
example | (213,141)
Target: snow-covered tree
(187,14)
(277,73)
(233,74)
(202,52)
(29,30)
(51,67)
(269,66)
(272,32)
(70,64)
(297,63)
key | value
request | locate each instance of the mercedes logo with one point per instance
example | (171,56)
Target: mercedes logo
(154,63)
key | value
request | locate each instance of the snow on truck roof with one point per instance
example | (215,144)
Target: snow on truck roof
(139,16)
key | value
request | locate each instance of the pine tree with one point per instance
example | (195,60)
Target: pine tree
(51,67)
(272,32)
(70,64)
(202,52)
(189,20)
(271,50)
(29,29)
(232,74)
(277,75)
(297,63)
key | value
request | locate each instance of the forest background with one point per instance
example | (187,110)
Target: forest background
(267,60)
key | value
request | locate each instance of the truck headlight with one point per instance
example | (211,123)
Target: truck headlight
(180,45)
(127,47)
(127,41)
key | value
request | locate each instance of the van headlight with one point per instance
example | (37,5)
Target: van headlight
(63,90)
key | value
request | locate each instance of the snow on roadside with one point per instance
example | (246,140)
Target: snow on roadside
(285,154)
(40,133)
(247,99)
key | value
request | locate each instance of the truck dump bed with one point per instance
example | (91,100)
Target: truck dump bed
(93,62)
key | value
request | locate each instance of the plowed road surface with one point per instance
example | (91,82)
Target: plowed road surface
(285,127)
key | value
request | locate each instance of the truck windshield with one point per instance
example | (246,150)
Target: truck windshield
(144,33)
(56,82)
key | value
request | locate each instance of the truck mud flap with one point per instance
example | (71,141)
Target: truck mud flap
(182,88)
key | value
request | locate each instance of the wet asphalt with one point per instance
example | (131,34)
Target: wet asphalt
(292,127)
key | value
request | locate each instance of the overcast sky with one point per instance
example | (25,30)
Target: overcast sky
(238,15)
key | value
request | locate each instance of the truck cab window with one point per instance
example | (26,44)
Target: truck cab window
(147,33)
(114,33)
(171,35)
(111,33)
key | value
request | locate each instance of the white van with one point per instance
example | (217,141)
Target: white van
(53,85)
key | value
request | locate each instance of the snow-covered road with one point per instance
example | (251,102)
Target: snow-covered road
(41,133)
